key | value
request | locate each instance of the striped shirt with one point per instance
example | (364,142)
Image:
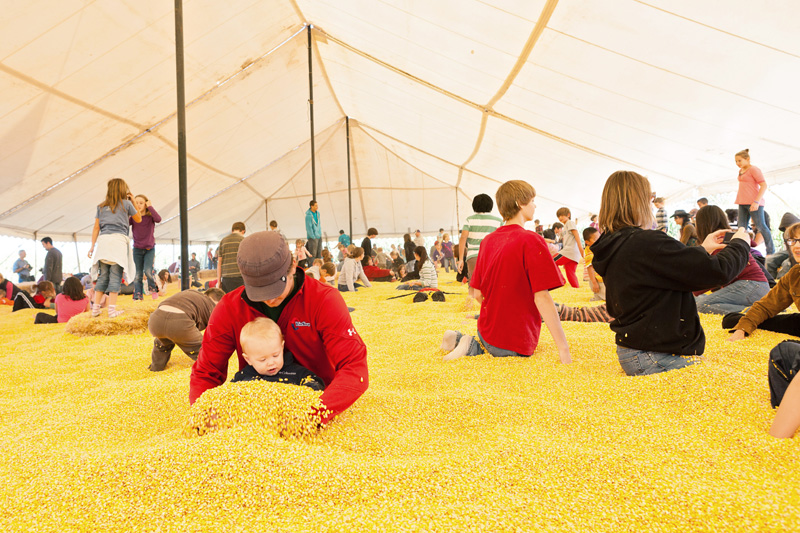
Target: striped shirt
(661,219)
(228,249)
(427,275)
(479,225)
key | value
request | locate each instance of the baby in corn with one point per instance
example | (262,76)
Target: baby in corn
(267,360)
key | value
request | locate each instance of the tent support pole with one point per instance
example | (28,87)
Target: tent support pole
(311,115)
(77,253)
(266,211)
(182,169)
(349,187)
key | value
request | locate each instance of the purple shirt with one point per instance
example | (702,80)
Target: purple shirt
(143,231)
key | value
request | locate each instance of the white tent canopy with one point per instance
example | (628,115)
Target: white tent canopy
(446,99)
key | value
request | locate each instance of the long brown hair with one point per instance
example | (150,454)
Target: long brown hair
(710,218)
(687,233)
(625,202)
(117,192)
(73,289)
(146,199)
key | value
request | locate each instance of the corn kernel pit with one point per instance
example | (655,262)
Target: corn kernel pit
(92,440)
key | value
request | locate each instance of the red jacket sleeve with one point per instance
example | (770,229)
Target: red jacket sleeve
(219,342)
(347,354)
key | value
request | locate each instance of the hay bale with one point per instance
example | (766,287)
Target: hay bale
(131,322)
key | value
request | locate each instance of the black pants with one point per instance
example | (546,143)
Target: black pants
(787,323)
(231,284)
(44,318)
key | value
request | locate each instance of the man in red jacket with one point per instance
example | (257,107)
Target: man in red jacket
(312,316)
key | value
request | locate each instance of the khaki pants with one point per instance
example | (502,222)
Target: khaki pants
(170,329)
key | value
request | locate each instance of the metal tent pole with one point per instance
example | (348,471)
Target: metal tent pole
(77,253)
(311,115)
(182,169)
(349,187)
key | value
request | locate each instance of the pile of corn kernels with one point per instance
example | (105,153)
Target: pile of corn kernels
(92,440)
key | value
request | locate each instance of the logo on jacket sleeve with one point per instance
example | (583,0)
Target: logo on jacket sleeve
(297,324)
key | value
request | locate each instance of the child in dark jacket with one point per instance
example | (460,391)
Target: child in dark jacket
(650,277)
(262,348)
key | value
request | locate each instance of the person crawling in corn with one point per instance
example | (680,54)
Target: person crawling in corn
(268,359)
(312,317)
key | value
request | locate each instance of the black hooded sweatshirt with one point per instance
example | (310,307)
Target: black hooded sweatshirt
(649,278)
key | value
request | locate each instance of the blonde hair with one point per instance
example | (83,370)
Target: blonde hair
(446,237)
(146,199)
(744,153)
(625,202)
(261,328)
(511,195)
(117,191)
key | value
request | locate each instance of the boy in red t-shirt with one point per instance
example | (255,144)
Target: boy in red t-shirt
(514,271)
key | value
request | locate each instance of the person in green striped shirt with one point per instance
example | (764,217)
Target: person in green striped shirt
(477,226)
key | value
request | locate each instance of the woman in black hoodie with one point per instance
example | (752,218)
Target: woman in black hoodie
(650,277)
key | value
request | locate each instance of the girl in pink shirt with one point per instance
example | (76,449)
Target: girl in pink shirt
(750,198)
(72,301)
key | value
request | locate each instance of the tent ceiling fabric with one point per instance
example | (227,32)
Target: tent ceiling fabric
(446,100)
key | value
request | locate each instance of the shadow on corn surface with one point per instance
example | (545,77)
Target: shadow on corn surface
(92,440)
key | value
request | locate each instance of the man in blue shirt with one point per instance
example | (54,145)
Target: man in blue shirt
(313,230)
(344,238)
(23,268)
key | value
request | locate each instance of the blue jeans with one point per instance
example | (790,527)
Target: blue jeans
(314,247)
(110,278)
(356,286)
(475,347)
(759,222)
(143,259)
(642,363)
(733,298)
(775,262)
(448,263)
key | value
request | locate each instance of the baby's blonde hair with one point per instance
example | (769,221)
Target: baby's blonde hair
(262,328)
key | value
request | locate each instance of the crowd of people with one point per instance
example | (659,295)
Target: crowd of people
(652,286)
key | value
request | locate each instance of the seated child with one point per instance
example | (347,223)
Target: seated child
(352,271)
(268,360)
(8,291)
(72,301)
(41,299)
(376,273)
(329,273)
(590,235)
(313,270)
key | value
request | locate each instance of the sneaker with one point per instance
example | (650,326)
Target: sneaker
(137,296)
(155,295)
(115,313)
(730,320)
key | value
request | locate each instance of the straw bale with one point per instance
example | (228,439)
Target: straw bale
(130,322)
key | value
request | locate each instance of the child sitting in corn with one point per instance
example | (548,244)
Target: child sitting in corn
(262,348)
(590,236)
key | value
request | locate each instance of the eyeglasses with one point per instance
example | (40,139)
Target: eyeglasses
(791,242)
